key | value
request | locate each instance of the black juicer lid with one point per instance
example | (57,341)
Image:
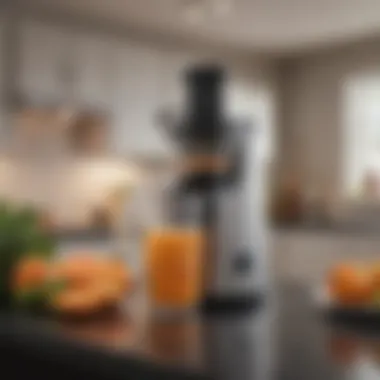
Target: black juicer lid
(204,123)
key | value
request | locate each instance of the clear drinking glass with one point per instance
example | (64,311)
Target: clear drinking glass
(173,265)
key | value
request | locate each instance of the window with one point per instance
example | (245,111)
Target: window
(362,136)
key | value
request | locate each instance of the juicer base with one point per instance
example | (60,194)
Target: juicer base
(232,304)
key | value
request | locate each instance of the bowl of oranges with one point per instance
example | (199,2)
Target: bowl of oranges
(80,285)
(352,290)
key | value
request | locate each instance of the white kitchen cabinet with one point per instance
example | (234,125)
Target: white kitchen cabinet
(95,77)
(2,26)
(3,113)
(60,65)
(96,72)
(44,62)
(136,130)
(172,84)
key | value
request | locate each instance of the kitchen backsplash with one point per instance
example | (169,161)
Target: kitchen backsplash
(69,190)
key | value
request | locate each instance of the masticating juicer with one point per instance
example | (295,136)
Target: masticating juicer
(217,189)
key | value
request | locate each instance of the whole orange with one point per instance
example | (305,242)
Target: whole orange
(86,300)
(78,269)
(351,284)
(109,292)
(119,273)
(29,272)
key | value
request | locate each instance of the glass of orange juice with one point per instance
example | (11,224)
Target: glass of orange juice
(173,264)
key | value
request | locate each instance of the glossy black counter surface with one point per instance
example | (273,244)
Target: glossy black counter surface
(286,340)
(370,230)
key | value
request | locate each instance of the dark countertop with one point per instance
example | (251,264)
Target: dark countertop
(331,228)
(286,340)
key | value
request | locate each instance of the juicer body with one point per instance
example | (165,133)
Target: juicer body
(234,261)
(220,190)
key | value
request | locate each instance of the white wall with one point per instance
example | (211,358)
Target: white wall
(312,135)
(312,124)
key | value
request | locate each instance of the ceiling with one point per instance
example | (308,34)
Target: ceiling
(254,25)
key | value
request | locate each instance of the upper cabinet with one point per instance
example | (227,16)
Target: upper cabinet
(124,79)
(2,26)
(137,100)
(59,65)
(94,65)
(131,82)
(171,82)
(45,62)
(172,86)
(3,117)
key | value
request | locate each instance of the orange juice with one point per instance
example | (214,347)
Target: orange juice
(173,267)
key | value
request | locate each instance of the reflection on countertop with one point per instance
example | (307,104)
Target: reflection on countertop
(287,339)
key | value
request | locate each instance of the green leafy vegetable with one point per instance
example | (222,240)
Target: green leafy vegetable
(20,235)
(39,295)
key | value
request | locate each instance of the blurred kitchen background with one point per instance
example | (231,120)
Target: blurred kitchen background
(85,85)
